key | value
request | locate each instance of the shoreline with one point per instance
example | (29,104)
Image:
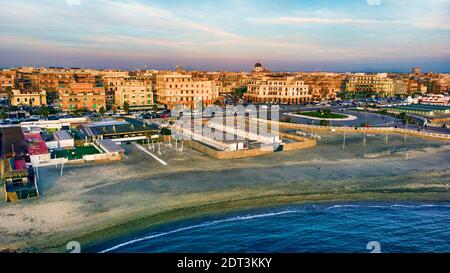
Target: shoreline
(102,235)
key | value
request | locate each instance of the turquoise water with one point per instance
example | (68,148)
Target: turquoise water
(325,228)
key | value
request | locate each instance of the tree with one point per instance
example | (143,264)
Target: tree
(126,107)
(52,96)
(102,111)
(166,131)
(324,122)
(43,111)
(3,114)
(114,109)
(326,112)
(155,107)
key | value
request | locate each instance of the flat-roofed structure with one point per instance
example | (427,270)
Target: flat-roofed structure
(64,139)
(118,131)
(37,149)
(110,147)
(18,176)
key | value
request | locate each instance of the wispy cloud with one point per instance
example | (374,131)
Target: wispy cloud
(319,20)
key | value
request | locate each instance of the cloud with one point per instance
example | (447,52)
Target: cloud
(373,2)
(321,20)
(431,22)
(73,2)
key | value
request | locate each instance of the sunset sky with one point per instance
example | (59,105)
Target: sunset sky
(357,35)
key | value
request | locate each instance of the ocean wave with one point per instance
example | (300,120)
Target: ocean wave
(266,215)
(206,224)
(390,206)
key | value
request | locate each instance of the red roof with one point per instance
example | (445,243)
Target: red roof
(19,164)
(36,145)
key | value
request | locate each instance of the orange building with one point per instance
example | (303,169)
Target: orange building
(48,81)
(82,96)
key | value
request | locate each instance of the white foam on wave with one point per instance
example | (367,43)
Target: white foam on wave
(389,206)
(206,224)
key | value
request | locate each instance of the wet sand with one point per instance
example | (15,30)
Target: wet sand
(93,203)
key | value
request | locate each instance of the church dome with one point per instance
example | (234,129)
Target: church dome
(258,65)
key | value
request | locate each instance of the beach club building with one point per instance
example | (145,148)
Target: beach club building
(118,131)
(37,149)
(111,148)
(18,176)
(64,139)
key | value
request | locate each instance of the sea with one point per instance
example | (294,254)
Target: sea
(406,227)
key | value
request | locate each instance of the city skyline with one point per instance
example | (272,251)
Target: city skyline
(341,36)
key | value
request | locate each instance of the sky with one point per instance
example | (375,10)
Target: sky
(284,35)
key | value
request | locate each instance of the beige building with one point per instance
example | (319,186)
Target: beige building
(136,92)
(379,83)
(28,97)
(277,89)
(174,89)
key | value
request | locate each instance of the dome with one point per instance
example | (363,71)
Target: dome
(258,65)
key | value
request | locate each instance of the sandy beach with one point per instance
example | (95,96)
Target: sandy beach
(96,203)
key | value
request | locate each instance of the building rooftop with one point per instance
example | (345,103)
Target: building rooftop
(62,135)
(36,145)
(112,129)
(110,146)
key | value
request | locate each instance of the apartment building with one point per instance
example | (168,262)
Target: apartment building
(137,92)
(28,97)
(174,89)
(6,82)
(378,84)
(82,96)
(49,81)
(277,89)
(324,86)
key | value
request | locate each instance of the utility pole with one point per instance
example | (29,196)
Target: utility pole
(406,129)
(364,143)
(386,137)
(343,142)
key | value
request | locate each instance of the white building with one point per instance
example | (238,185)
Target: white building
(64,139)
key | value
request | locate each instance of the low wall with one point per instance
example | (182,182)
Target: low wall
(227,155)
(440,120)
(301,142)
(370,130)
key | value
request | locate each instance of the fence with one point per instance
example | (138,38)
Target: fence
(372,130)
